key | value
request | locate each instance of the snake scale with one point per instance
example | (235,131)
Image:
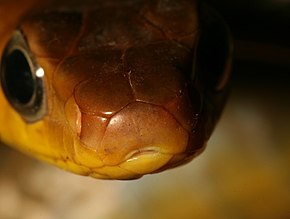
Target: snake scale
(112,89)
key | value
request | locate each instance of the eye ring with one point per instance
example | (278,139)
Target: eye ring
(22,80)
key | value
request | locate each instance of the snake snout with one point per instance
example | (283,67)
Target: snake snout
(137,118)
(140,138)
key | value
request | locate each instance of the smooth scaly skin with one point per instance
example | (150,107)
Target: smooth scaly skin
(121,102)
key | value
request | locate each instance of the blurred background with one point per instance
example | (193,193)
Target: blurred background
(243,174)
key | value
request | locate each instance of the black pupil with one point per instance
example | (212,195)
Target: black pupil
(18,77)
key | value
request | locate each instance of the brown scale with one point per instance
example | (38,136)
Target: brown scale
(130,75)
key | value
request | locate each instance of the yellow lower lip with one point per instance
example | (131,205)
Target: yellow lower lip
(142,151)
(145,161)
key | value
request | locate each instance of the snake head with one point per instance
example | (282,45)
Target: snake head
(116,102)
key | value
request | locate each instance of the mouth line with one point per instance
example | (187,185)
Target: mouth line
(135,154)
(142,151)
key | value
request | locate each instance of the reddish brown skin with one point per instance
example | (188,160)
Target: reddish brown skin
(133,59)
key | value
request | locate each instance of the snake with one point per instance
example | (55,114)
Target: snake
(112,89)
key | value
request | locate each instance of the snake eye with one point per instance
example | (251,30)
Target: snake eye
(22,80)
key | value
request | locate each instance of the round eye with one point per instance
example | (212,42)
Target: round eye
(22,80)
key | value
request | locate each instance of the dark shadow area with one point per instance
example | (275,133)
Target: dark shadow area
(261,35)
